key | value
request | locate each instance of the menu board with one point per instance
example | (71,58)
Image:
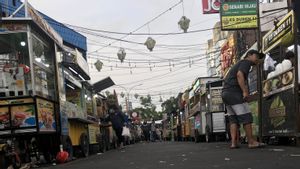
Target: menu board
(4,118)
(252,80)
(23,116)
(216,102)
(94,130)
(46,117)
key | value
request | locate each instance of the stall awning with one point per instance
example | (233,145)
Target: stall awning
(76,70)
(103,84)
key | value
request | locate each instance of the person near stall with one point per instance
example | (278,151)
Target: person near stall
(146,131)
(235,94)
(117,118)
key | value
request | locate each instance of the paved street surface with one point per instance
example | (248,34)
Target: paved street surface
(183,155)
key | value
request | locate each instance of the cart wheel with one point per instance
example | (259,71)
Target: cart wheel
(68,146)
(84,144)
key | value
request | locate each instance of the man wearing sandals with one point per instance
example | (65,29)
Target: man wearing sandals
(235,93)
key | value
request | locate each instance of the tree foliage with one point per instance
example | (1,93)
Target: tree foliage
(148,109)
(170,105)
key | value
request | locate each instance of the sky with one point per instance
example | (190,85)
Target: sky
(172,66)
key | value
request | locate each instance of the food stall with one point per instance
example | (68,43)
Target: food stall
(29,103)
(280,85)
(215,116)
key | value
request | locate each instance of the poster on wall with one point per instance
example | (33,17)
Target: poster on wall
(216,102)
(46,117)
(211,6)
(94,131)
(4,118)
(228,55)
(238,15)
(23,116)
(279,114)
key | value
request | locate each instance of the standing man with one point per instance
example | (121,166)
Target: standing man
(235,94)
(117,119)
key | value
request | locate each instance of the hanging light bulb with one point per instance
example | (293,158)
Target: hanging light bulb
(136,96)
(98,64)
(122,94)
(184,23)
(150,43)
(121,54)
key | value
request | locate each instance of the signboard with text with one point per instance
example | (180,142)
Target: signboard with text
(238,15)
(211,6)
(282,33)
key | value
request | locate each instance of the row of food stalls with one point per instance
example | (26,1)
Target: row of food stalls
(273,84)
(45,93)
(202,111)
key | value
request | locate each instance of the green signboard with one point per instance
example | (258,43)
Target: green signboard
(238,15)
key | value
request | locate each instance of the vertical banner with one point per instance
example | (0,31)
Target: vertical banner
(46,115)
(4,118)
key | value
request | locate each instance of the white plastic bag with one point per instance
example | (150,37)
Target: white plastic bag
(126,132)
(269,63)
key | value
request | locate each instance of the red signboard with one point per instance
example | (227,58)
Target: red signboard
(211,6)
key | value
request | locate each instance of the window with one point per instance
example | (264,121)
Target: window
(44,69)
(14,65)
(14,2)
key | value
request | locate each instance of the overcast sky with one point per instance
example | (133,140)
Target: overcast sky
(126,16)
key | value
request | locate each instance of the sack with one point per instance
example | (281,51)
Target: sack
(126,132)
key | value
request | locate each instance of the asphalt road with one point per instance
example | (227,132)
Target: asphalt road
(186,155)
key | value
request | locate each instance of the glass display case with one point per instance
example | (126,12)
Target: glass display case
(14,65)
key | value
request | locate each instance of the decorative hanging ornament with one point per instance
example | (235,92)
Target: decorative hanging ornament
(121,54)
(184,23)
(160,99)
(122,94)
(98,64)
(136,96)
(107,93)
(150,43)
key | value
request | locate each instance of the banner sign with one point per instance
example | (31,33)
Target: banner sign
(23,116)
(283,33)
(279,114)
(46,116)
(211,6)
(238,15)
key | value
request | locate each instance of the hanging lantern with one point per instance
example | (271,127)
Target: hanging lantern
(136,96)
(121,54)
(107,93)
(122,94)
(98,64)
(150,43)
(184,23)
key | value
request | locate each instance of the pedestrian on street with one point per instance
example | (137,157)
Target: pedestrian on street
(146,131)
(153,131)
(235,94)
(117,119)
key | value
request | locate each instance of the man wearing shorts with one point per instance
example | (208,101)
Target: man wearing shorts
(235,93)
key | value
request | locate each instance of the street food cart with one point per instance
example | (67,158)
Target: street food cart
(280,82)
(215,116)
